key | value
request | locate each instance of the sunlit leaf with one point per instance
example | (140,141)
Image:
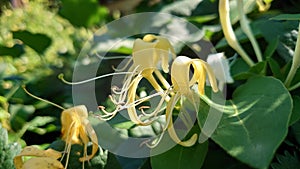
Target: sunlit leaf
(261,106)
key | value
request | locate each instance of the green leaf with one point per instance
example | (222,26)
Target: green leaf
(285,31)
(224,160)
(296,110)
(258,124)
(286,17)
(83,13)
(38,42)
(271,48)
(19,115)
(14,51)
(286,161)
(34,124)
(180,157)
(238,66)
(257,69)
(275,68)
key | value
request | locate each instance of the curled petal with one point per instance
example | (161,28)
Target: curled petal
(147,53)
(210,73)
(180,73)
(94,139)
(170,107)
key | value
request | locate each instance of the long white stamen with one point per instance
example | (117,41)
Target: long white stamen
(61,77)
(124,67)
(111,57)
(158,106)
(41,99)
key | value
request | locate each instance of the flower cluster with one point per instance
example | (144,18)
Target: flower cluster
(149,55)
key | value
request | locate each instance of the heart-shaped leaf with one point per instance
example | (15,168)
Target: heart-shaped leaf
(258,123)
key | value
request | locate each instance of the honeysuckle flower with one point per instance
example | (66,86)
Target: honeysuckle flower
(182,83)
(221,69)
(247,30)
(229,33)
(295,65)
(76,129)
(147,54)
(42,159)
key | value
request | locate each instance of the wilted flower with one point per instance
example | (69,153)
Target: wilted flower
(76,129)
(41,159)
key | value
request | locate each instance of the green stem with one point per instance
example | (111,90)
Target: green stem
(229,33)
(295,63)
(247,30)
(294,86)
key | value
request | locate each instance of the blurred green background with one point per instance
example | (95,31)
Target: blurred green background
(39,39)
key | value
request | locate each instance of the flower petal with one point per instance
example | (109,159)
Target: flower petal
(180,74)
(220,66)
(147,53)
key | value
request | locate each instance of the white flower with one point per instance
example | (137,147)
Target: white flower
(220,66)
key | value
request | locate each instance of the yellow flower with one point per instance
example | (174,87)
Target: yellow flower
(147,54)
(224,12)
(76,129)
(182,83)
(180,74)
(42,159)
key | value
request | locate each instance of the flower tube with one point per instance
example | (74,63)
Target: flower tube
(182,83)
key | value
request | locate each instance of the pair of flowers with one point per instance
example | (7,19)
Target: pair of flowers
(148,55)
